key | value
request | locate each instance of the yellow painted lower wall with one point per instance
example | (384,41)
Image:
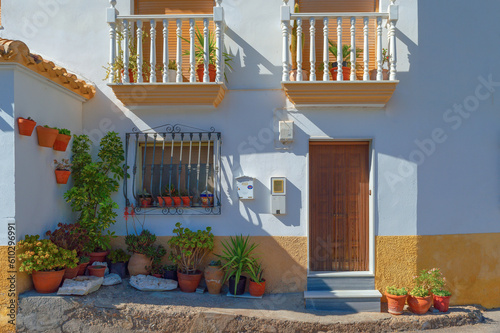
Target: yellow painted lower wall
(8,296)
(470,263)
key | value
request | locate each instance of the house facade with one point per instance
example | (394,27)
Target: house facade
(350,179)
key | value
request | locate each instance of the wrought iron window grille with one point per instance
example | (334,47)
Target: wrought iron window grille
(174,170)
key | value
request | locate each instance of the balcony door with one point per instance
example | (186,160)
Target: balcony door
(338,206)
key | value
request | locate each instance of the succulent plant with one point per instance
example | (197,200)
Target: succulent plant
(118,255)
(70,237)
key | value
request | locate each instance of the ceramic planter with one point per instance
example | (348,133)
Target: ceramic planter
(82,267)
(70,273)
(46,136)
(240,287)
(62,176)
(61,142)
(346,73)
(97,270)
(98,256)
(189,282)
(419,305)
(47,282)
(186,201)
(385,74)
(256,289)
(200,70)
(167,201)
(139,264)
(26,126)
(119,268)
(441,303)
(213,278)
(177,201)
(395,304)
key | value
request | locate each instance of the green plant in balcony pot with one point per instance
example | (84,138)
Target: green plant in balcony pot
(396,299)
(94,182)
(238,257)
(188,248)
(346,60)
(45,261)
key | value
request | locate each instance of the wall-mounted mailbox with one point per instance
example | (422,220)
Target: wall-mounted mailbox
(278,195)
(244,184)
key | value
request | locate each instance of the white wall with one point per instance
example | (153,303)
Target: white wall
(447,187)
(39,199)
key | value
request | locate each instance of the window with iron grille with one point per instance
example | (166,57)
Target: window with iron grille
(173,172)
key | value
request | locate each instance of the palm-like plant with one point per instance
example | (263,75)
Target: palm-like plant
(346,53)
(238,256)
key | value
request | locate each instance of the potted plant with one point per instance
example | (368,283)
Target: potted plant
(94,182)
(170,272)
(26,125)
(293,49)
(62,171)
(97,270)
(119,259)
(396,299)
(156,266)
(45,261)
(419,299)
(441,299)
(188,250)
(385,72)
(237,254)
(165,200)
(70,237)
(214,277)
(172,71)
(46,136)
(199,55)
(186,199)
(62,139)
(346,60)
(82,264)
(257,284)
(144,198)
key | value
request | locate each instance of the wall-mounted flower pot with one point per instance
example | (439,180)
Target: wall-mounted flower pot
(26,126)
(46,136)
(62,176)
(62,141)
(47,282)
(97,270)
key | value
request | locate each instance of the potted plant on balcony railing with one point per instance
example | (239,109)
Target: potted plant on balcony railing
(385,71)
(199,55)
(293,49)
(346,60)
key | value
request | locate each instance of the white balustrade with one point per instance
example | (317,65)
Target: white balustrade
(122,34)
(355,21)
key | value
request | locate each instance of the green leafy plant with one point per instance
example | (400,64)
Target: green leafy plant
(93,185)
(237,254)
(255,273)
(441,292)
(189,247)
(43,255)
(70,237)
(169,191)
(64,131)
(419,291)
(142,243)
(392,290)
(172,64)
(64,164)
(144,194)
(118,255)
(346,53)
(84,259)
(430,279)
(156,266)
(170,268)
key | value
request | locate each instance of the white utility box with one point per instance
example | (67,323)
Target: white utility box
(244,184)
(286,130)
(278,195)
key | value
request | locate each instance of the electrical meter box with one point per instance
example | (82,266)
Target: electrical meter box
(278,195)
(244,184)
(286,131)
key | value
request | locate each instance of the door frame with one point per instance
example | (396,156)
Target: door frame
(371,219)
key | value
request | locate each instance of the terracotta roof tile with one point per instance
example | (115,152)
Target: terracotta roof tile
(17,51)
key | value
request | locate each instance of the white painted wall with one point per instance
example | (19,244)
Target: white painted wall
(452,186)
(39,199)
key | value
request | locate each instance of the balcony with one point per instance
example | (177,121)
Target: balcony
(140,79)
(353,39)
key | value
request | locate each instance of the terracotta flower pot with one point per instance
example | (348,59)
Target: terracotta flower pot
(138,264)
(97,270)
(256,289)
(46,136)
(293,75)
(213,278)
(161,203)
(186,201)
(200,70)
(98,256)
(189,282)
(61,142)
(70,273)
(419,305)
(441,303)
(47,282)
(346,73)
(177,201)
(395,304)
(373,74)
(26,126)
(158,275)
(62,176)
(146,202)
(82,267)
(167,201)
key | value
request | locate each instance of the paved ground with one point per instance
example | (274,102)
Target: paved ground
(491,324)
(121,308)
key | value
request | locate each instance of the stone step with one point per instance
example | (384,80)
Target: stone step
(321,282)
(343,300)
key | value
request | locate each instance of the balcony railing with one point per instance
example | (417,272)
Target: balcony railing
(137,36)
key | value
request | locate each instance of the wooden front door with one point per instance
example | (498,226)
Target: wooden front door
(338,205)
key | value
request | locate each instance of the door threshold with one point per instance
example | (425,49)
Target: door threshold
(340,274)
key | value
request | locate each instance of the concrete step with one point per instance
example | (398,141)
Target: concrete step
(343,300)
(325,282)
